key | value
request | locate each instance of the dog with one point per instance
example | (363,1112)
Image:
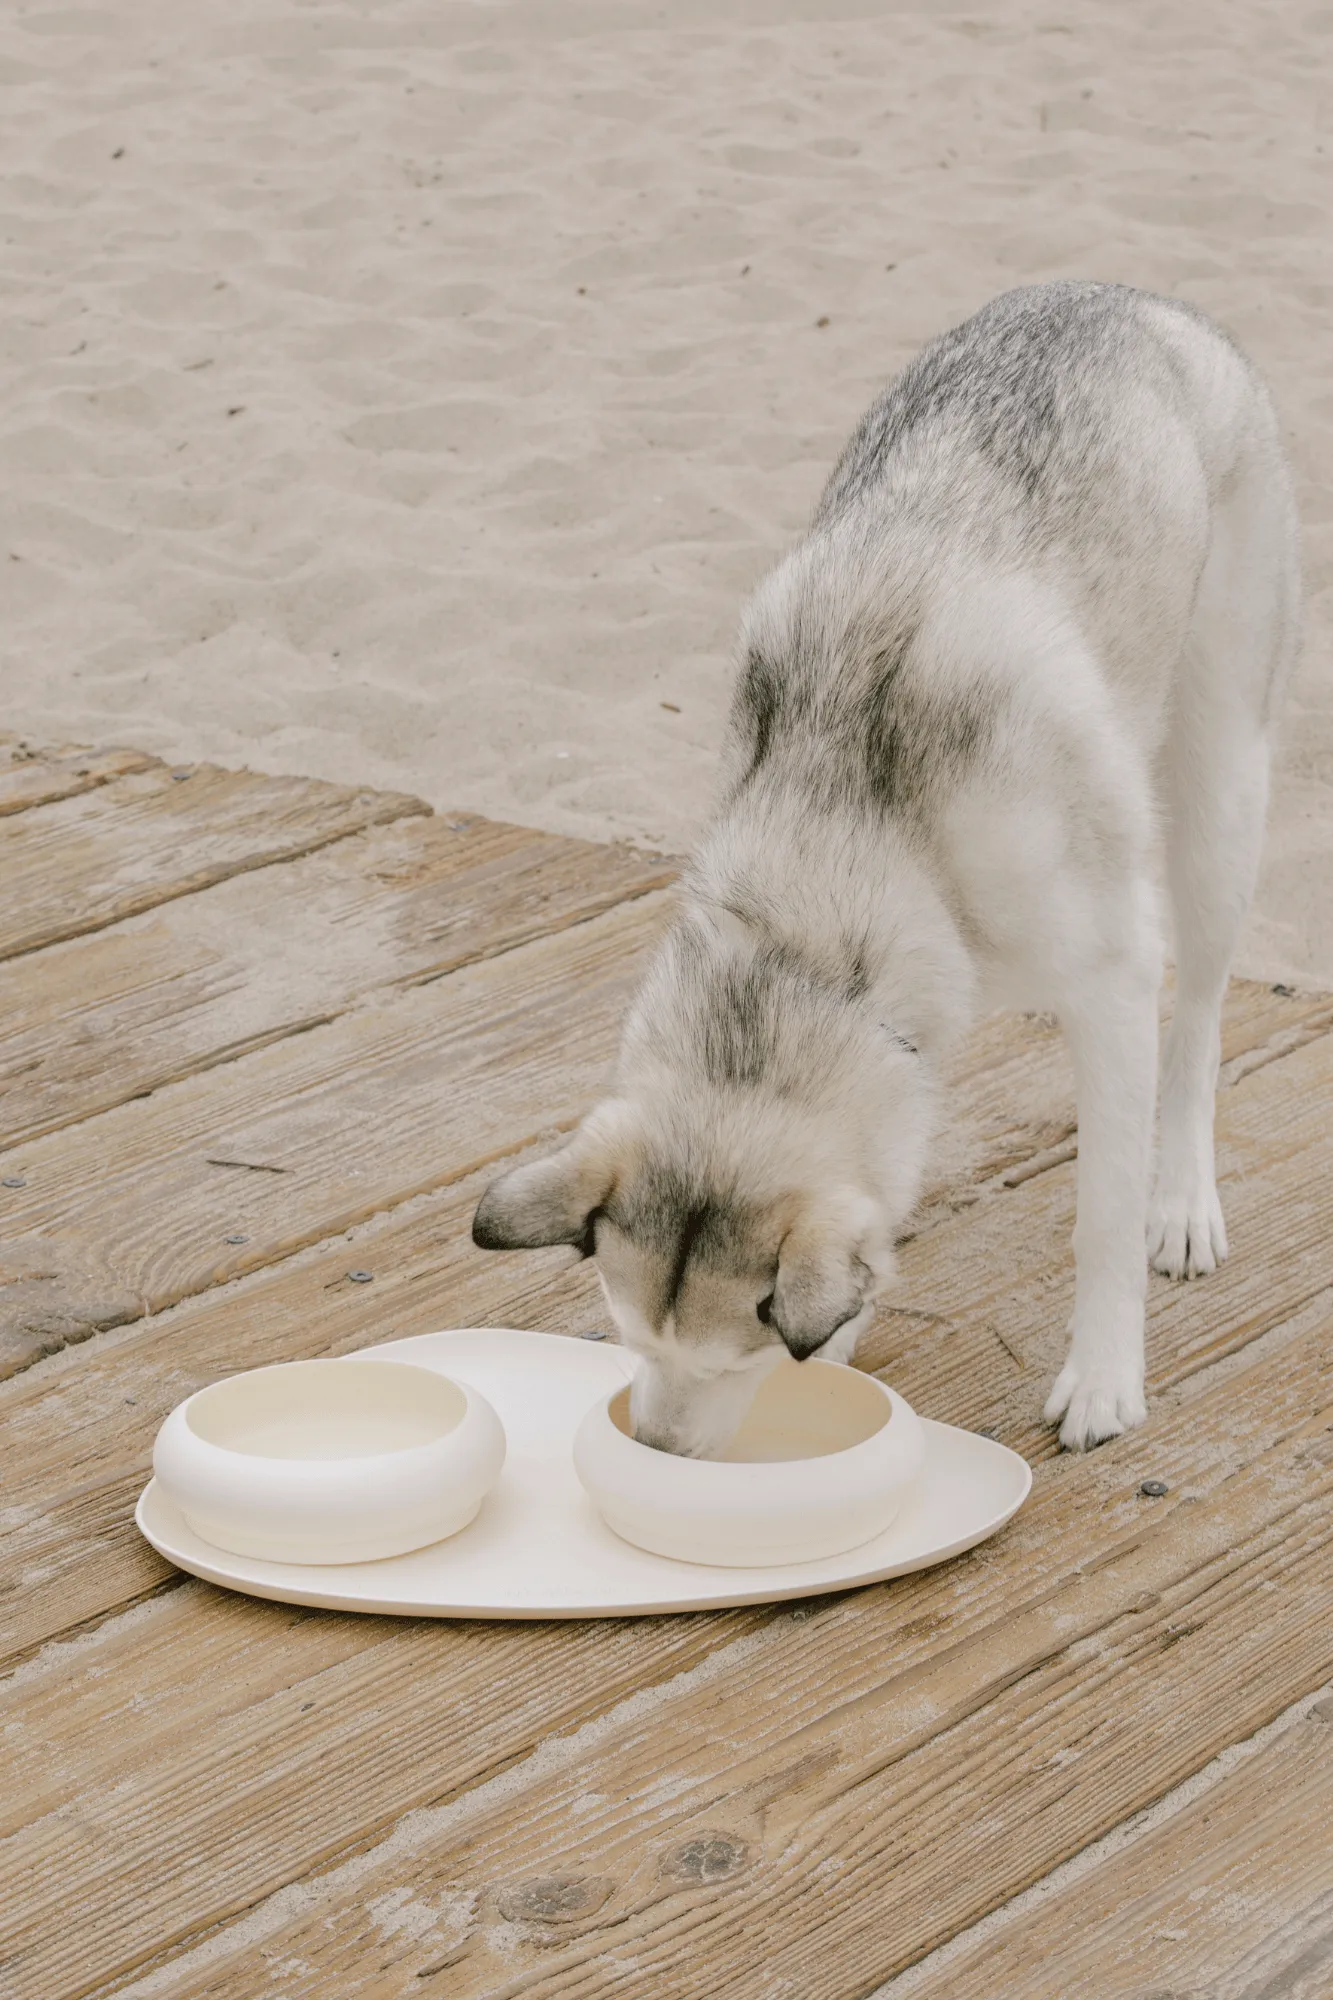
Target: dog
(1032,646)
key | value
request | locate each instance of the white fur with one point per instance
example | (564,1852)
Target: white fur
(1078,616)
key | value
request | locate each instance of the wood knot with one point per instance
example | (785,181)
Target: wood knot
(709,1857)
(554,1899)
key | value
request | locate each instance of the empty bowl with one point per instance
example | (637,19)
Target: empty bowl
(330,1461)
(822,1462)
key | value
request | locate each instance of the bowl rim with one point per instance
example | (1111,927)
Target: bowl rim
(277,1465)
(665,1465)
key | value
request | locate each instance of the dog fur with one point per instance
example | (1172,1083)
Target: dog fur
(1035,639)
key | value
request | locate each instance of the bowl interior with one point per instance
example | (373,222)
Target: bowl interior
(328,1409)
(802,1409)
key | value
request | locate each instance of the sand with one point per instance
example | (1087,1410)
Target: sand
(408,393)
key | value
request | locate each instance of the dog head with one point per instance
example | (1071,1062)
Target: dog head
(728,1232)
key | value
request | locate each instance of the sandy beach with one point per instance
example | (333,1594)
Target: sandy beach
(409,393)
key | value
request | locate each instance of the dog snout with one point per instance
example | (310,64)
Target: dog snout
(664,1416)
(660,1437)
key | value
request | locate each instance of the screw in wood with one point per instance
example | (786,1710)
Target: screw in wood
(360,1277)
(1153,1489)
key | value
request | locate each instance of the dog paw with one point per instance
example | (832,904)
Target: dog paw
(842,1343)
(1187,1237)
(838,1349)
(1095,1404)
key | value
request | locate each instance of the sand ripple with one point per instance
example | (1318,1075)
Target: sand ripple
(408,392)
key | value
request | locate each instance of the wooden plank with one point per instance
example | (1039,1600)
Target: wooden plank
(129,1008)
(34,775)
(1266,1409)
(1232,1897)
(1010,1091)
(84,862)
(974,1334)
(1083,1511)
(557,1693)
(979,1331)
(90,1245)
(79,1437)
(846,1809)
(336,1730)
(233,1169)
(835,1758)
(101,1019)
(79,1442)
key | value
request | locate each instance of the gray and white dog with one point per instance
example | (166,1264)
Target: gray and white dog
(1038,631)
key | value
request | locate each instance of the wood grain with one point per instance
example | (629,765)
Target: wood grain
(836,1758)
(317,1132)
(850,1810)
(33,775)
(992,1307)
(1083,1512)
(209,977)
(1231,1898)
(79,1436)
(125,1214)
(974,1334)
(1010,1091)
(87,861)
(282,1012)
(334,1732)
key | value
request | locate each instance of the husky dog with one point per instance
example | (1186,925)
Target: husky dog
(1038,631)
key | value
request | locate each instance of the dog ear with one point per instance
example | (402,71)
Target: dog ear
(822,1280)
(551,1200)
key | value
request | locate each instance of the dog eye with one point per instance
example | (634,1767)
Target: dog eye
(764,1309)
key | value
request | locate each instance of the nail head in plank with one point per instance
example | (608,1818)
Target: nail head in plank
(1006,1264)
(1082,1512)
(837,1757)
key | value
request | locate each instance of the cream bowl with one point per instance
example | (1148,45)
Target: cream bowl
(330,1461)
(822,1462)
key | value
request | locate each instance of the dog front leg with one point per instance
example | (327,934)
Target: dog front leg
(1112,1036)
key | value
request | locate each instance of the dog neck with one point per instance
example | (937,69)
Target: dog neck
(851,905)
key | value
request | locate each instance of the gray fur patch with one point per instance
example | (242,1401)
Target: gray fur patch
(954,699)
(887,741)
(1005,385)
(762,1013)
(1002,444)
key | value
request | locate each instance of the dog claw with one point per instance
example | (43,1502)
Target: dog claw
(1187,1237)
(1094,1409)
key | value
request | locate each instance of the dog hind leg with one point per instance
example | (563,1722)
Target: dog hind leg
(1215,781)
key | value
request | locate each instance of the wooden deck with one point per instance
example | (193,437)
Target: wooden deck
(256,1033)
